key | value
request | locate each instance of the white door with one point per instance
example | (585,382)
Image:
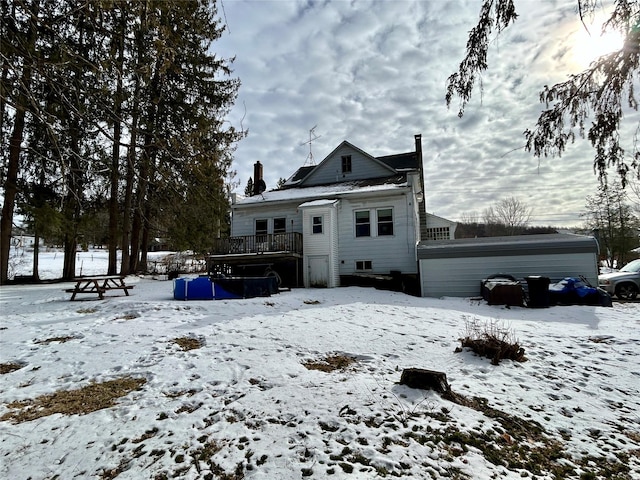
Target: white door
(318,270)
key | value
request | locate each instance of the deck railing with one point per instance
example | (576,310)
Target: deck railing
(267,243)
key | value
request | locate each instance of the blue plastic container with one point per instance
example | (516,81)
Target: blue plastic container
(200,288)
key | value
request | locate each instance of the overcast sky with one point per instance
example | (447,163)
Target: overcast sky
(374,74)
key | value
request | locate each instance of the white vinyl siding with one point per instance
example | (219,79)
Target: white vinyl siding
(362,167)
(243,222)
(321,250)
(387,253)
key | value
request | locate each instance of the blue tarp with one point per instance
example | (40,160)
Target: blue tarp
(203,288)
(574,291)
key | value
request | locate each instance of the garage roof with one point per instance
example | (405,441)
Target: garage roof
(508,246)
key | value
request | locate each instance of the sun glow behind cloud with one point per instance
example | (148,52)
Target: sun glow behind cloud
(590,43)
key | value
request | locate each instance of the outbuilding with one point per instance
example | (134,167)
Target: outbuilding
(456,268)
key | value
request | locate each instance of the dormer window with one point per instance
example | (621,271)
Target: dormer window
(346,164)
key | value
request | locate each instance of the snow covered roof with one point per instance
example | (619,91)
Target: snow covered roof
(318,203)
(387,184)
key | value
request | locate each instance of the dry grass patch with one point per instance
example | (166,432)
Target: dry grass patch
(330,363)
(93,397)
(189,343)
(10,367)
(47,341)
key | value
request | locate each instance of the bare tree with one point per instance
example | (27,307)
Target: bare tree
(470,218)
(509,216)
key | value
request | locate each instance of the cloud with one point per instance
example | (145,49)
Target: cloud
(374,73)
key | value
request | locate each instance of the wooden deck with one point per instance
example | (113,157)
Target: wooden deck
(280,243)
(259,254)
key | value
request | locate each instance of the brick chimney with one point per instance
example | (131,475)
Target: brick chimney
(422,207)
(258,182)
(418,139)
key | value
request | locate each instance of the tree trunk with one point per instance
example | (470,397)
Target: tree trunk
(36,256)
(112,268)
(69,261)
(126,207)
(15,146)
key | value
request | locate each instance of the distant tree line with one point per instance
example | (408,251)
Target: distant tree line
(506,217)
(112,123)
(479,229)
(612,216)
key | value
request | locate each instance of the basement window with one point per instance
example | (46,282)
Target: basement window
(364,265)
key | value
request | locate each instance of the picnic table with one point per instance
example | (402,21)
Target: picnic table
(99,285)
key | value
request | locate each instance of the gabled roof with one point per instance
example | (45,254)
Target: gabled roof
(301,173)
(394,163)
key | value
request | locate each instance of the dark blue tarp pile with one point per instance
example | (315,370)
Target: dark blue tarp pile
(203,288)
(575,291)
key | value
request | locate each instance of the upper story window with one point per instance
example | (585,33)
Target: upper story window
(385,221)
(316,224)
(279,225)
(363,223)
(346,164)
(261,226)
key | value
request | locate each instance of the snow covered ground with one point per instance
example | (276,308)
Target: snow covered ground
(226,389)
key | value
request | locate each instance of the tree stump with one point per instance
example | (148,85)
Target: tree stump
(425,379)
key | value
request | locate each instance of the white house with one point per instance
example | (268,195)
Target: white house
(351,218)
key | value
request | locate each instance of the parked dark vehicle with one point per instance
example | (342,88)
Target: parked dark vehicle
(625,283)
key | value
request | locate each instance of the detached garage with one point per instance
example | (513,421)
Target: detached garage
(455,268)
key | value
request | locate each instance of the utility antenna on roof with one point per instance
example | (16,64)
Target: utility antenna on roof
(312,137)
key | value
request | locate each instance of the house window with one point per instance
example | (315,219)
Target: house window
(385,221)
(364,265)
(363,224)
(279,225)
(316,224)
(438,233)
(261,227)
(346,164)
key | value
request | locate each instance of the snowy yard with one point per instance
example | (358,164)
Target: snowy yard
(226,389)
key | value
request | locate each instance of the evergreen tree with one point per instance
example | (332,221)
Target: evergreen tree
(610,216)
(248,190)
(91,76)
